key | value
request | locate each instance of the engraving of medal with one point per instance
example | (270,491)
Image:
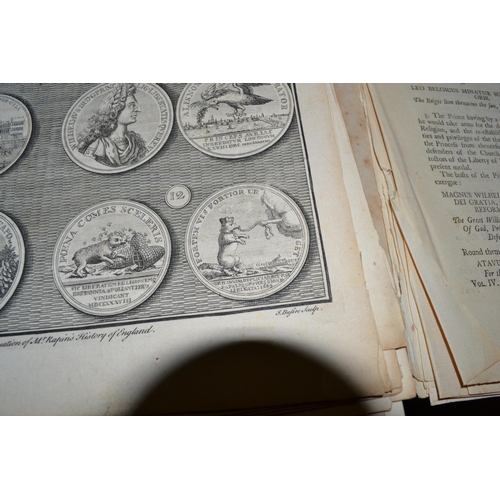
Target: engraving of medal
(15,130)
(11,258)
(234,120)
(111,257)
(116,127)
(247,242)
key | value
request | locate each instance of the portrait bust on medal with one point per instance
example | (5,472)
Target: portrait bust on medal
(116,127)
(107,138)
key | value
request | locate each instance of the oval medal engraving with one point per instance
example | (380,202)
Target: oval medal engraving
(11,258)
(15,130)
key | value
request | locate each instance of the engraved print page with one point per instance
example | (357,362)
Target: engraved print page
(196,233)
(442,144)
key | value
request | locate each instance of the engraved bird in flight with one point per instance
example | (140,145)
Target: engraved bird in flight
(235,95)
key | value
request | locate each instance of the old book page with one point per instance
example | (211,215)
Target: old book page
(360,180)
(371,141)
(381,291)
(438,378)
(350,99)
(375,265)
(441,175)
(59,359)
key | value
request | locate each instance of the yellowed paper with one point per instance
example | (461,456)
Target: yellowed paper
(394,371)
(381,292)
(428,138)
(408,382)
(349,96)
(417,350)
(397,410)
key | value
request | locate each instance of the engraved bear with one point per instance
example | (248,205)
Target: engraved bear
(229,240)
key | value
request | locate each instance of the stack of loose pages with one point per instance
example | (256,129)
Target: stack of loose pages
(451,322)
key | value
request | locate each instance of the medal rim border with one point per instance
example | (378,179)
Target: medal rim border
(28,137)
(118,170)
(178,185)
(22,259)
(235,157)
(214,289)
(160,277)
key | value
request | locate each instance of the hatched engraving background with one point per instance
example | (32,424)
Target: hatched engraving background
(45,190)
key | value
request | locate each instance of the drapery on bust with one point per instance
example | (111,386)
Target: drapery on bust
(107,138)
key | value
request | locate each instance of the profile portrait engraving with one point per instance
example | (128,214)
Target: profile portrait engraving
(107,138)
(116,127)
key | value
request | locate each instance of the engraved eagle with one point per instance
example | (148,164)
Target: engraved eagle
(235,95)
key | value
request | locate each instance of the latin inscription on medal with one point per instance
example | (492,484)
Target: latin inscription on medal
(112,257)
(234,120)
(116,127)
(247,242)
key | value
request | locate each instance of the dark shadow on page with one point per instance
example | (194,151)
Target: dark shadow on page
(421,407)
(252,378)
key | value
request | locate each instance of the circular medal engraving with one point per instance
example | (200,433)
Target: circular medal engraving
(112,257)
(234,120)
(178,196)
(117,126)
(247,242)
(15,130)
(11,258)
